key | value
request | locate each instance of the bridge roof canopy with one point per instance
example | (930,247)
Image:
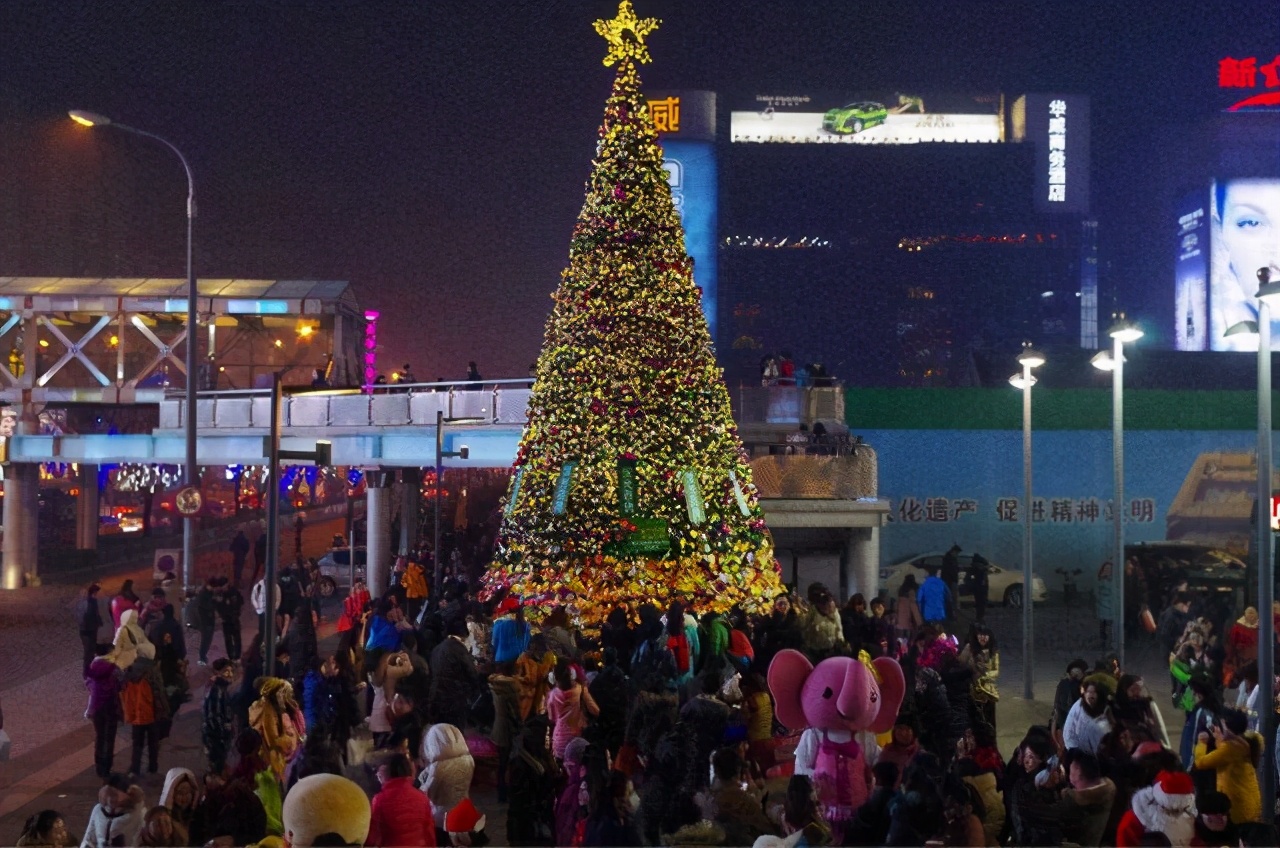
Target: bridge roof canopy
(331,293)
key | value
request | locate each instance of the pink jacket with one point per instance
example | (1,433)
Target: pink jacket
(118,605)
(569,709)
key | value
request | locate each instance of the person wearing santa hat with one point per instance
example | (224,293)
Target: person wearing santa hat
(465,825)
(1167,806)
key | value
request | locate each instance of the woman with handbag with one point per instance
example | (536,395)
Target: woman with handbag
(568,705)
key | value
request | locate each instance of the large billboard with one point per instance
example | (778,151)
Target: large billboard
(1180,485)
(868,118)
(686,124)
(1244,237)
(1191,273)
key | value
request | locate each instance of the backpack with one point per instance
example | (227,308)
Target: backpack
(653,660)
(137,702)
(678,645)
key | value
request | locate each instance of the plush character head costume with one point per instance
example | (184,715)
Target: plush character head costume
(840,693)
(325,803)
(832,702)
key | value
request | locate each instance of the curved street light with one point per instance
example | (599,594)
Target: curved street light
(93,119)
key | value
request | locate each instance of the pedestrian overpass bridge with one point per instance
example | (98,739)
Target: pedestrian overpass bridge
(814,504)
(375,426)
(392,427)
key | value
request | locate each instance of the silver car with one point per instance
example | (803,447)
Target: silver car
(335,570)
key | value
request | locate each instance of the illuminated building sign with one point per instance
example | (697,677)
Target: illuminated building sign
(1058,125)
(665,114)
(1246,73)
(1057,151)
(370,347)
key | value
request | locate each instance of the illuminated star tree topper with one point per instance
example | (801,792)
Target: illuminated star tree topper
(626,34)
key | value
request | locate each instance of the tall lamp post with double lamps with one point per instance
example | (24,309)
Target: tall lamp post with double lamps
(189,499)
(1268,291)
(1028,359)
(1122,332)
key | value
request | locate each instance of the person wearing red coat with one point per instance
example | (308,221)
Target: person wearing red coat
(401,815)
(1167,806)
(1242,644)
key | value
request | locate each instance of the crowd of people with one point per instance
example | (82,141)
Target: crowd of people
(658,727)
(781,370)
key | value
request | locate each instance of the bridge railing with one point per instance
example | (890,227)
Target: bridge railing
(487,402)
(401,404)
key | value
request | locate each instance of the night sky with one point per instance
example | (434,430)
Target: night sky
(434,153)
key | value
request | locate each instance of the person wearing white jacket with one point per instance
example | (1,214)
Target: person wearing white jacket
(117,817)
(1087,722)
(450,767)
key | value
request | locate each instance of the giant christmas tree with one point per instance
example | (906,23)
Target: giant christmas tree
(630,483)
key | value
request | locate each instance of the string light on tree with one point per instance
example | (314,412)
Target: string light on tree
(630,483)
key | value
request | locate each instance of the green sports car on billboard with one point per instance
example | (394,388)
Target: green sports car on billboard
(855,117)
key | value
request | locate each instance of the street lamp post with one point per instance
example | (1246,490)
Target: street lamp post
(1028,359)
(322,455)
(1121,332)
(437,578)
(91,119)
(1265,557)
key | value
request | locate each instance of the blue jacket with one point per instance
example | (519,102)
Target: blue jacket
(509,639)
(934,599)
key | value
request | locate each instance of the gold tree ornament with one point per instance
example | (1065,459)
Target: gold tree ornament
(626,34)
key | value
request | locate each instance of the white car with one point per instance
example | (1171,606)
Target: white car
(1004,585)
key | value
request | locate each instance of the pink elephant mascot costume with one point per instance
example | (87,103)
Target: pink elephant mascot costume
(833,702)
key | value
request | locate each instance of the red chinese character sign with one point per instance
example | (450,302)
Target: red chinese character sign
(631,483)
(1249,73)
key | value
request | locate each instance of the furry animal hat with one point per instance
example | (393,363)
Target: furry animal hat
(323,804)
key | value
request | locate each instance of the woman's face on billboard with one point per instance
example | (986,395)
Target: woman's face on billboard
(1251,226)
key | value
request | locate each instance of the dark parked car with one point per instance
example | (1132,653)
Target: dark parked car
(1204,567)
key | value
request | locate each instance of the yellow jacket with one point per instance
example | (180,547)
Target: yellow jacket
(415,581)
(1237,779)
(531,678)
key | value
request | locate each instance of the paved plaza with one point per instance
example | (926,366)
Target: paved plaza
(44,697)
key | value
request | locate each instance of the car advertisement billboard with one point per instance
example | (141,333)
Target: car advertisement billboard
(868,118)
(686,124)
(1191,273)
(1244,228)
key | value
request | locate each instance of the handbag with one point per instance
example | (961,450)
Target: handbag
(358,748)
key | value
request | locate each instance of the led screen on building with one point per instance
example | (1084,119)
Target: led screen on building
(1191,272)
(1244,230)
(868,118)
(686,125)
